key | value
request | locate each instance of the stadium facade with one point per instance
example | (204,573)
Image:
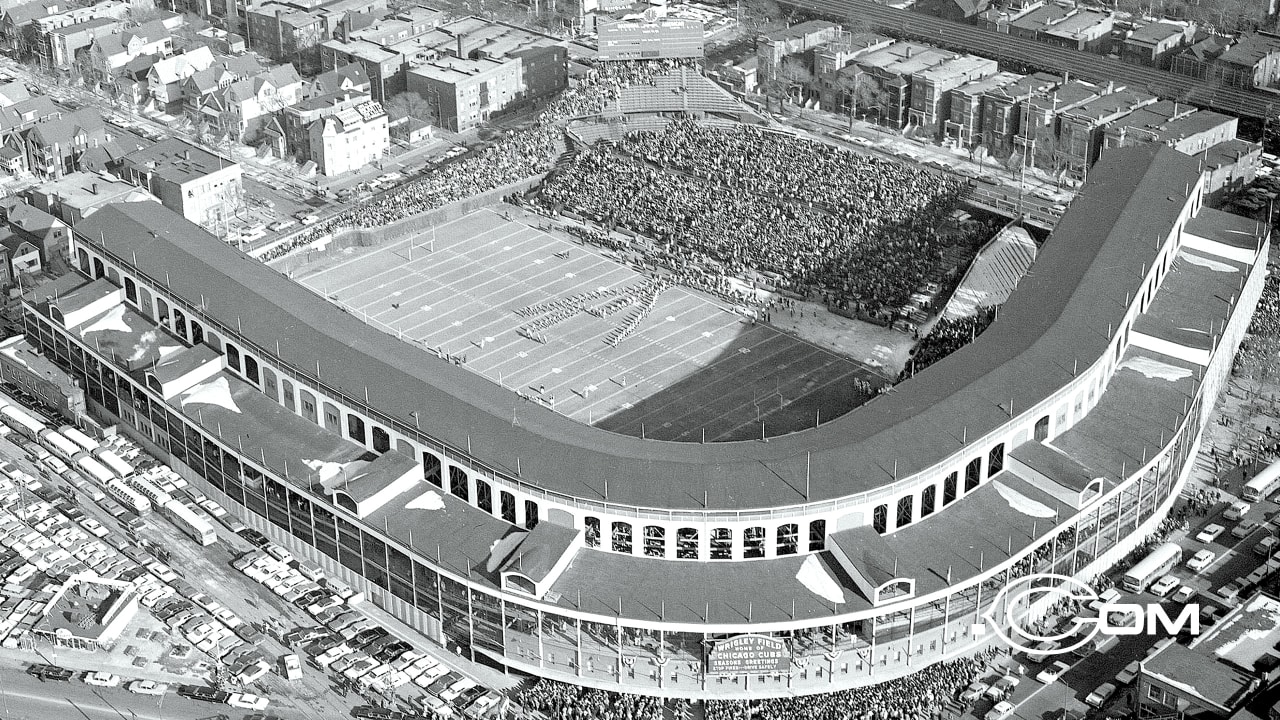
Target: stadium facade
(847,554)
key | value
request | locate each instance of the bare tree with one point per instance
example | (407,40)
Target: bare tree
(796,75)
(411,104)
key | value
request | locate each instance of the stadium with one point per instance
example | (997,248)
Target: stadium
(837,556)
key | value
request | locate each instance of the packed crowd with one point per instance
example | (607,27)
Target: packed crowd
(1259,355)
(920,696)
(811,217)
(946,337)
(561,701)
(518,155)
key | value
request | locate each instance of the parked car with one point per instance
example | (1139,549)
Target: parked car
(147,687)
(1164,585)
(1245,528)
(101,679)
(1237,510)
(1201,560)
(1051,673)
(1100,695)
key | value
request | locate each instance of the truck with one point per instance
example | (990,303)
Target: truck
(194,526)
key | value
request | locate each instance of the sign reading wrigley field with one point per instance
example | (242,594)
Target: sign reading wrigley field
(749,655)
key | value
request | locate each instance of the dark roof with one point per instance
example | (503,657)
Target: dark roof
(539,550)
(176,365)
(1058,315)
(1053,464)
(1201,673)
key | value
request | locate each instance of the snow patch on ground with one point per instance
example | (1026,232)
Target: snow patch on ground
(1206,263)
(1155,369)
(325,469)
(113,320)
(216,392)
(429,500)
(1022,503)
(816,579)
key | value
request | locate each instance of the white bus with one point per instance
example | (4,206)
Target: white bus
(1264,484)
(58,445)
(186,520)
(116,464)
(130,498)
(73,434)
(1161,560)
(148,490)
(94,470)
(22,421)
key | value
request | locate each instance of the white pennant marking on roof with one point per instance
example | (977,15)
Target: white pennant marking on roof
(1204,262)
(429,500)
(1022,503)
(216,392)
(113,320)
(325,469)
(817,581)
(1155,369)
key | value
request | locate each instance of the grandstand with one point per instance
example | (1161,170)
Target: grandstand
(994,274)
(683,90)
(866,547)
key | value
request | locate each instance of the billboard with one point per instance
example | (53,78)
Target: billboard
(655,38)
(749,655)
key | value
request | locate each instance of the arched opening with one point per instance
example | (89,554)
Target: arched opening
(431,469)
(592,531)
(83,257)
(880,519)
(621,537)
(995,460)
(355,427)
(520,583)
(753,542)
(344,501)
(233,357)
(484,495)
(687,544)
(928,498)
(788,541)
(98,269)
(530,514)
(972,474)
(655,541)
(251,369)
(1042,429)
(179,323)
(950,489)
(131,290)
(507,505)
(458,483)
(381,440)
(817,535)
(721,544)
(906,510)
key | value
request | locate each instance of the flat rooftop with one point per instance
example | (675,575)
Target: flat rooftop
(177,161)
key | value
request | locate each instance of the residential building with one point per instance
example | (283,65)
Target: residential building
(109,54)
(1254,61)
(637,39)
(16,31)
(476,69)
(1065,26)
(964,124)
(49,234)
(1080,129)
(165,78)
(1199,59)
(76,196)
(245,106)
(931,90)
(351,77)
(54,146)
(67,45)
(888,77)
(1229,167)
(349,139)
(1168,122)
(15,120)
(387,69)
(956,10)
(284,33)
(1037,138)
(57,37)
(216,78)
(774,47)
(203,187)
(24,367)
(839,53)
(1155,43)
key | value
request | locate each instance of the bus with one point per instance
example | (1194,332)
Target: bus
(189,522)
(116,464)
(58,444)
(1161,560)
(130,498)
(148,490)
(21,421)
(93,470)
(73,434)
(1264,484)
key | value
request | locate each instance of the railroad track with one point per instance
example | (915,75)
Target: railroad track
(1032,53)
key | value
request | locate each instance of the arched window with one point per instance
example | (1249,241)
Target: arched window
(162,311)
(592,531)
(655,541)
(113,276)
(687,544)
(458,483)
(98,269)
(928,498)
(484,495)
(753,542)
(355,427)
(84,260)
(130,290)
(721,544)
(197,333)
(179,323)
(880,519)
(788,539)
(233,356)
(1042,429)
(950,489)
(251,369)
(530,514)
(507,505)
(972,474)
(522,584)
(431,469)
(344,501)
(906,511)
(817,535)
(144,301)
(995,460)
(622,537)
(381,440)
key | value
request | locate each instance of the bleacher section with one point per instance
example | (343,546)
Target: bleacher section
(682,90)
(994,274)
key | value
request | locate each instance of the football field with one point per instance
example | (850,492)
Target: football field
(537,313)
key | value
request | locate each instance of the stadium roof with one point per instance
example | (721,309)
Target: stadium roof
(1059,315)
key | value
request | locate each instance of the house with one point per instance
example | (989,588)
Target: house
(164,79)
(19,255)
(774,47)
(1199,60)
(49,234)
(349,139)
(957,10)
(383,47)
(889,72)
(351,77)
(108,55)
(1155,44)
(59,37)
(242,108)
(54,146)
(964,123)
(1168,122)
(216,78)
(293,128)
(108,156)
(204,187)
(1254,61)
(75,196)
(1080,129)
(1070,27)
(931,90)
(13,92)
(16,32)
(1038,125)
(15,120)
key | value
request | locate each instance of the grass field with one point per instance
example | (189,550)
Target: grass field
(691,366)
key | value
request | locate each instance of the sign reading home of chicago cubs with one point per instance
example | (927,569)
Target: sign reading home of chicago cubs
(749,655)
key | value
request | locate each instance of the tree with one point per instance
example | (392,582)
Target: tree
(796,75)
(411,104)
(756,13)
(857,90)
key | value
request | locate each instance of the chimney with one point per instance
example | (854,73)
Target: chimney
(909,52)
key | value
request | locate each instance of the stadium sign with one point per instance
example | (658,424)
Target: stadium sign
(749,655)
